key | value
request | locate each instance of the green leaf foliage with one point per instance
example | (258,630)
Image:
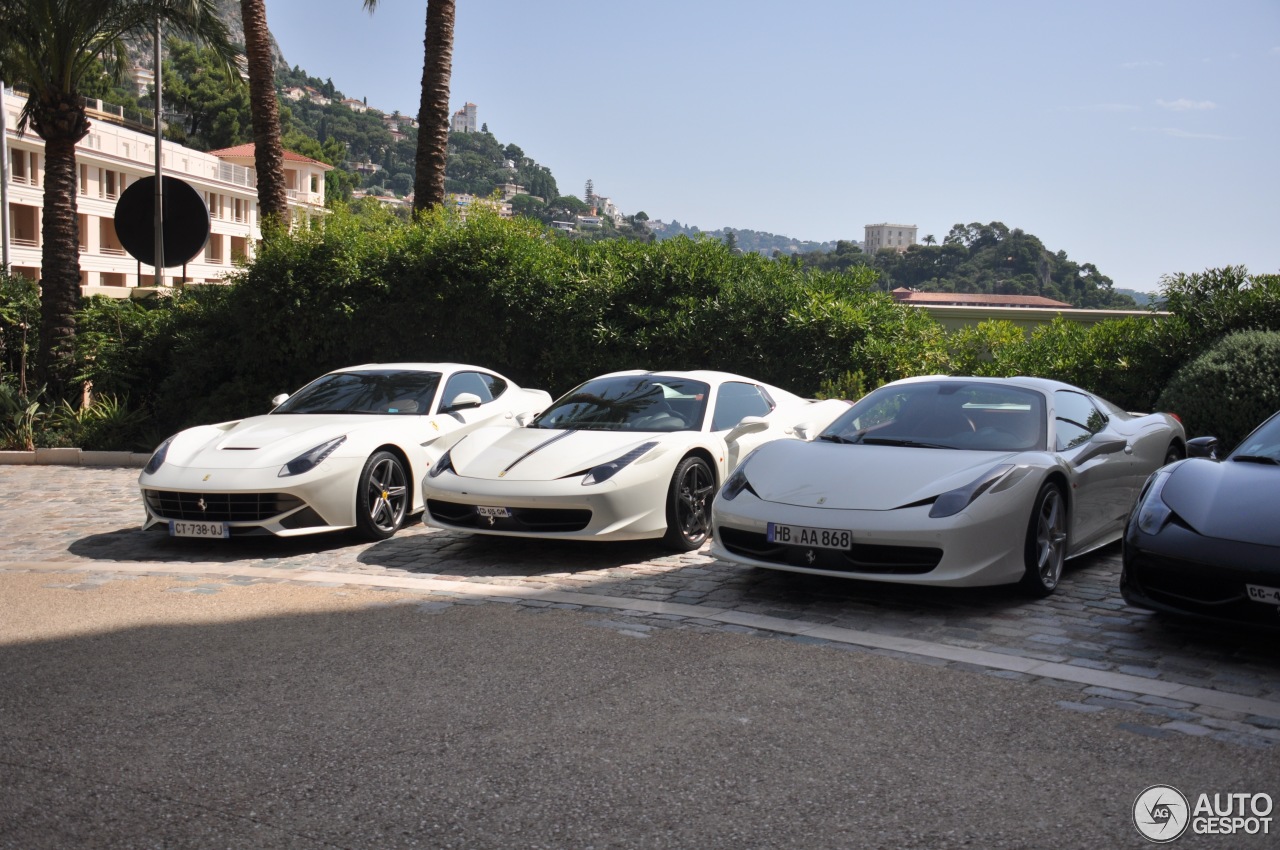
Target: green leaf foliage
(1230,389)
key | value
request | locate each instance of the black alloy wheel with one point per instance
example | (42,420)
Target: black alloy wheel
(689,505)
(382,497)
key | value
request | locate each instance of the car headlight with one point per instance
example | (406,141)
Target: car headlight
(443,465)
(309,460)
(1153,513)
(995,479)
(605,471)
(736,484)
(157,457)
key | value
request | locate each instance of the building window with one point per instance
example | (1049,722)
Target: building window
(84,179)
(213,251)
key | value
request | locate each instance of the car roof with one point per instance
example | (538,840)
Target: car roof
(1043,385)
(415,367)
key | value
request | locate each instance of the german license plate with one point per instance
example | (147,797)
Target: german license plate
(184,528)
(493,512)
(803,535)
(1258,593)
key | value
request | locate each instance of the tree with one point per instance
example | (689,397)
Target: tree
(433,108)
(54,48)
(268,152)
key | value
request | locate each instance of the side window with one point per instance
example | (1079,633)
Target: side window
(487,387)
(736,401)
(1076,419)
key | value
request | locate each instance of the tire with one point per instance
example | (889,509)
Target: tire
(1174,454)
(1046,545)
(382,496)
(689,505)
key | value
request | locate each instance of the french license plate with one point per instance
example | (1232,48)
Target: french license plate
(183,528)
(802,535)
(1258,593)
(493,512)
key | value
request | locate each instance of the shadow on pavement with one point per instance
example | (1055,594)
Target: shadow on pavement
(489,727)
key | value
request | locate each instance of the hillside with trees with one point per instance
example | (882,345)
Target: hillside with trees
(747,241)
(982,258)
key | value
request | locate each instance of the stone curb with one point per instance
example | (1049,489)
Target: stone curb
(74,457)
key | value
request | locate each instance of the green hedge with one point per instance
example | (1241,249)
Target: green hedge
(1230,389)
(550,312)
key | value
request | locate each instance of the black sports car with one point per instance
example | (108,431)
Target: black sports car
(1204,536)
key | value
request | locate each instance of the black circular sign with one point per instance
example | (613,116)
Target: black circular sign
(186,221)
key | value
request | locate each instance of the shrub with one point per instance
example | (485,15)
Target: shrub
(19,329)
(1229,389)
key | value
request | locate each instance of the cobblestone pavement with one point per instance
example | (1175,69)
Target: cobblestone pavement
(83,523)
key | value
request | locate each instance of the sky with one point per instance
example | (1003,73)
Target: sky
(1142,136)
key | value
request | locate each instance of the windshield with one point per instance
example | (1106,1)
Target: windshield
(1263,445)
(946,415)
(630,403)
(382,392)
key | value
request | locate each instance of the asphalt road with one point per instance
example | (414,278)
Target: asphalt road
(444,691)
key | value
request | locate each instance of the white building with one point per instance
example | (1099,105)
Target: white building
(111,158)
(899,237)
(464,120)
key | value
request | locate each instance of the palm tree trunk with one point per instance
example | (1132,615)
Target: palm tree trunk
(60,121)
(268,154)
(433,111)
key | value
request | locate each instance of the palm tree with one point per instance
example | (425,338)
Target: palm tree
(433,109)
(53,48)
(268,152)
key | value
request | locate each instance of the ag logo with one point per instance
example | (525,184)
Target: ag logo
(1161,813)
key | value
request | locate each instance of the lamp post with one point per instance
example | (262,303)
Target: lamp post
(159,217)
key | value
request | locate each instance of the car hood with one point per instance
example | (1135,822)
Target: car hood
(543,454)
(866,478)
(261,441)
(1227,500)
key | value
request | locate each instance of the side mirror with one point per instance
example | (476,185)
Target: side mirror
(523,419)
(462,401)
(803,431)
(748,425)
(1206,447)
(1101,445)
(276,401)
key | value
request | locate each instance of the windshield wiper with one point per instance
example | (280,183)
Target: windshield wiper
(912,444)
(836,438)
(1256,459)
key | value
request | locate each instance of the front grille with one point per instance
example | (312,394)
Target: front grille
(859,558)
(1215,591)
(521,519)
(219,507)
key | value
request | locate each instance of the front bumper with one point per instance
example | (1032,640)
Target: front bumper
(1178,571)
(254,501)
(563,509)
(971,549)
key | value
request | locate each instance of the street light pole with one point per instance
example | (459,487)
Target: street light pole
(159,218)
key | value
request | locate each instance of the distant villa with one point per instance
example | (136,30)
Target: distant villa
(973,299)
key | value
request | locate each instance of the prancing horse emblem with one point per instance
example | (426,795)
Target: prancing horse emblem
(201,505)
(810,556)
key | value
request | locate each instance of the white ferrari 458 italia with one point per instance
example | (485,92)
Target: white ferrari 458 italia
(947,481)
(345,451)
(624,456)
